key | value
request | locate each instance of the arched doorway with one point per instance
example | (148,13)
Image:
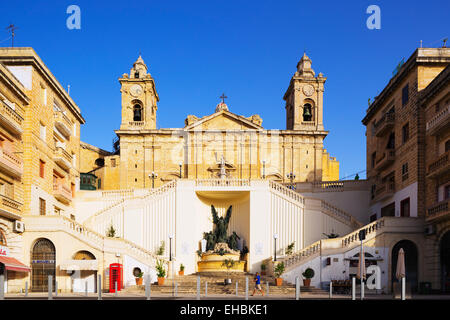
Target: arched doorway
(445,262)
(43,264)
(411,263)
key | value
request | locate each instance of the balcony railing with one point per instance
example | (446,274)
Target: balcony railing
(438,210)
(62,158)
(10,119)
(10,208)
(10,164)
(439,166)
(439,121)
(384,190)
(385,160)
(62,193)
(63,124)
(386,123)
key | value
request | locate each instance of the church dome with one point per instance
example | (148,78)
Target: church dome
(221,106)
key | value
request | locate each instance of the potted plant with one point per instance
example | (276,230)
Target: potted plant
(161,272)
(307,274)
(181,272)
(290,249)
(139,276)
(229,264)
(279,270)
(263,269)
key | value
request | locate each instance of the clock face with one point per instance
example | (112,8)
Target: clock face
(308,90)
(136,90)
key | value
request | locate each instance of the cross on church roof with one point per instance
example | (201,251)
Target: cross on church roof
(223,97)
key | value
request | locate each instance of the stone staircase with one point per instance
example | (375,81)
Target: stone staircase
(187,284)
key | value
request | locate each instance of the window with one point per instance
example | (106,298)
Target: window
(113,163)
(42,131)
(137,113)
(41,207)
(405,171)
(447,192)
(57,210)
(374,155)
(405,133)
(391,141)
(307,112)
(2,239)
(72,188)
(405,95)
(41,168)
(404,208)
(389,210)
(136,74)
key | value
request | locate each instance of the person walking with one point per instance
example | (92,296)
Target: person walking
(257,280)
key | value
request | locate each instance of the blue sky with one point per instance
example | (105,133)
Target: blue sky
(195,50)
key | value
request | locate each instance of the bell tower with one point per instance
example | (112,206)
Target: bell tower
(139,98)
(304,98)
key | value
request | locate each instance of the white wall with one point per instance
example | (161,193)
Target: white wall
(129,264)
(409,191)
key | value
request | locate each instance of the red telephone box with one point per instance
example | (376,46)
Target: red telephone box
(115,275)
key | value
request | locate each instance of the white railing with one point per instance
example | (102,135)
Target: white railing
(371,229)
(340,214)
(280,189)
(222,183)
(332,186)
(293,259)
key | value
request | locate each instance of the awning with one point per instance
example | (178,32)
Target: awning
(14,264)
(79,265)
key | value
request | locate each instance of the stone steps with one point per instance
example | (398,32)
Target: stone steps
(187,284)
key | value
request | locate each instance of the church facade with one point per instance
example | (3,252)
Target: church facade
(147,157)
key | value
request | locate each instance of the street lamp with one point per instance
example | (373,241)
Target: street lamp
(264,168)
(170,246)
(153,176)
(275,237)
(291,177)
(181,165)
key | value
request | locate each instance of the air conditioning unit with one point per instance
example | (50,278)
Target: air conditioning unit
(19,226)
(430,229)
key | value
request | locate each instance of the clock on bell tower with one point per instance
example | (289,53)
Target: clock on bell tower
(139,98)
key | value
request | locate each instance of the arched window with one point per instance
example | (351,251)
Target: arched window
(137,113)
(136,74)
(2,238)
(307,112)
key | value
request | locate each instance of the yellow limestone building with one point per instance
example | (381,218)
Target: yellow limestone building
(150,157)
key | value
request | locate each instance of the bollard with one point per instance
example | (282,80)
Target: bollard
(198,287)
(236,288)
(115,288)
(176,289)
(362,290)
(331,289)
(99,287)
(267,286)
(403,288)
(246,288)
(297,288)
(2,287)
(147,287)
(50,287)
(56,288)
(206,289)
(353,288)
(85,289)
(26,288)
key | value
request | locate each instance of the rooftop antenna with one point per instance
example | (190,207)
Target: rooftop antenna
(445,42)
(421,43)
(68,89)
(12,28)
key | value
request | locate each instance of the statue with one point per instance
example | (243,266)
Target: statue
(221,224)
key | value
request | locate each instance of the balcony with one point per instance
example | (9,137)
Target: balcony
(10,164)
(384,190)
(438,210)
(10,119)
(62,158)
(63,124)
(385,124)
(439,166)
(62,193)
(10,208)
(386,159)
(439,122)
